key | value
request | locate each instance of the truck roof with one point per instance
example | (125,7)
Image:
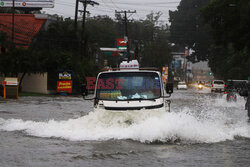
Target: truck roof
(130,69)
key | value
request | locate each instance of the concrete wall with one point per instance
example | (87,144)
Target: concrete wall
(36,83)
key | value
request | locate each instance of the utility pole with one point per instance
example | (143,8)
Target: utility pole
(126,29)
(13,22)
(76,14)
(85,3)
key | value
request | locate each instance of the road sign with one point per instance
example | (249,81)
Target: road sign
(64,86)
(165,74)
(65,81)
(28,3)
(121,43)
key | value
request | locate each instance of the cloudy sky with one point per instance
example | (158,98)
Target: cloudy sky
(108,7)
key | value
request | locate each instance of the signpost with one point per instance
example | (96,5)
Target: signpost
(121,43)
(165,74)
(64,82)
(28,3)
(64,86)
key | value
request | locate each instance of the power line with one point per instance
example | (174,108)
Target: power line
(115,4)
(107,6)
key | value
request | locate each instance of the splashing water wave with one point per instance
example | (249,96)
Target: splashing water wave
(144,126)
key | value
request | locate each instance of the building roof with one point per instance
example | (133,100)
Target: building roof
(26,26)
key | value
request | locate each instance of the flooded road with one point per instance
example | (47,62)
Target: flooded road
(202,129)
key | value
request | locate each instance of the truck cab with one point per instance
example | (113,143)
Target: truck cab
(131,88)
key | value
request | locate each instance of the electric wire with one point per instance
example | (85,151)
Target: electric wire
(108,7)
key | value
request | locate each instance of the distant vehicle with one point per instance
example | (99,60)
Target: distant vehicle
(235,85)
(218,86)
(231,97)
(232,88)
(182,85)
(200,86)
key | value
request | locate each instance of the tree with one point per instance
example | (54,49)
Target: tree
(4,43)
(230,24)
(101,30)
(188,30)
(229,21)
(62,50)
(156,50)
(59,47)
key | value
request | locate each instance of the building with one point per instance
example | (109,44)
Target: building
(26,26)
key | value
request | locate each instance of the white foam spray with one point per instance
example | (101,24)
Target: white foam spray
(209,126)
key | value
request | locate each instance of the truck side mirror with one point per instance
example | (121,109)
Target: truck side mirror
(169,88)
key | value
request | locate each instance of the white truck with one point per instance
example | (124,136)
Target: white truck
(131,88)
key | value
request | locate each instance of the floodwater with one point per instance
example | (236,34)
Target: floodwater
(202,129)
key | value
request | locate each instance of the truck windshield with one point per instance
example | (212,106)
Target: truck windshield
(128,86)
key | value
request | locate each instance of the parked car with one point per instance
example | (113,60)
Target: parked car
(181,85)
(218,86)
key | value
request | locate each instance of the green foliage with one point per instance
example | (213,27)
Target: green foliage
(3,39)
(153,41)
(230,23)
(187,29)
(156,54)
(18,60)
(101,30)
(60,36)
(60,47)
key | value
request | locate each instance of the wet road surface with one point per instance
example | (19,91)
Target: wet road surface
(202,129)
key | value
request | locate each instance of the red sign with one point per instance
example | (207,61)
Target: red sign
(4,82)
(64,86)
(121,42)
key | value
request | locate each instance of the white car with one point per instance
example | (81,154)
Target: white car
(218,86)
(182,85)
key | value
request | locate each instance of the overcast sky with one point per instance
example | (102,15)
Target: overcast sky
(108,7)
